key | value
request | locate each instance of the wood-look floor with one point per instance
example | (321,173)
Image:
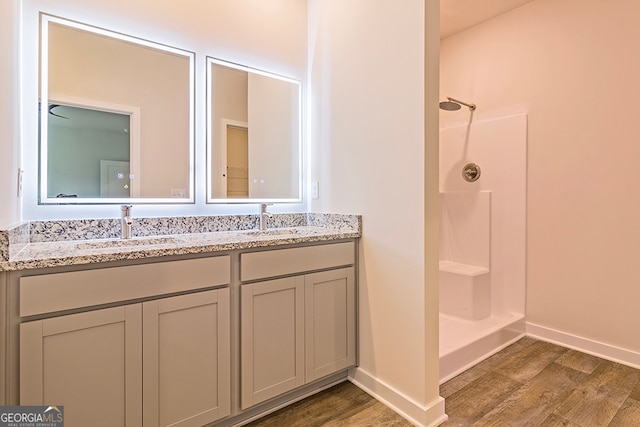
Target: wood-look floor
(341,405)
(530,383)
(535,383)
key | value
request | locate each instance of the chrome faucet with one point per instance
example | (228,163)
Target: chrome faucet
(264,215)
(126,221)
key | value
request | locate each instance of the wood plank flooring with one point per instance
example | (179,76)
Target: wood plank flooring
(535,383)
(530,383)
(339,406)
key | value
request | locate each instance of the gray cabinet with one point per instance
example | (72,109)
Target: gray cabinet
(296,329)
(88,362)
(330,322)
(272,339)
(187,342)
(164,360)
(186,359)
(159,363)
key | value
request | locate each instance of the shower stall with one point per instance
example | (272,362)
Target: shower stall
(482,235)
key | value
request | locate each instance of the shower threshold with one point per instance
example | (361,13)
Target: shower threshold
(465,343)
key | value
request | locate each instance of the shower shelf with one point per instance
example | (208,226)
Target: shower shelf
(463,269)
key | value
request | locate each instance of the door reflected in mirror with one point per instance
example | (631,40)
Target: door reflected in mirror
(237,142)
(118,121)
(254,135)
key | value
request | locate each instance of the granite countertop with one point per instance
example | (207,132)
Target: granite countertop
(53,252)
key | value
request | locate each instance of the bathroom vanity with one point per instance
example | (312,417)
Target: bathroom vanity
(206,328)
(193,320)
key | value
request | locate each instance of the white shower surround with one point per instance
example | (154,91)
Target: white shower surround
(499,147)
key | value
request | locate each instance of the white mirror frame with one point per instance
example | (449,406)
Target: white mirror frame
(44,102)
(211,137)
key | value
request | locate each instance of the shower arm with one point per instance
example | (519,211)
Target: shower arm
(470,106)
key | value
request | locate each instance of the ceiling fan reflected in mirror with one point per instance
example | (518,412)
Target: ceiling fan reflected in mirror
(51,107)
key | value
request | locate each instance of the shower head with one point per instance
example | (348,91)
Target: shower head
(450,106)
(454,104)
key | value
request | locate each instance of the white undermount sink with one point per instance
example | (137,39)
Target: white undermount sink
(273,232)
(119,243)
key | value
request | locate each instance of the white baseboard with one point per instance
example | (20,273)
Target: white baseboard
(430,415)
(433,414)
(595,348)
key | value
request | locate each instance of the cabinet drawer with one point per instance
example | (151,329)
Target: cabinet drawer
(281,262)
(49,293)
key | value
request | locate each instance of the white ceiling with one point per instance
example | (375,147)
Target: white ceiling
(457,15)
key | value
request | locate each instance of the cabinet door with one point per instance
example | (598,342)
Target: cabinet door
(186,347)
(272,338)
(330,336)
(90,363)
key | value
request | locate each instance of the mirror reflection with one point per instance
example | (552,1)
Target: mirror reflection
(116,117)
(81,139)
(254,135)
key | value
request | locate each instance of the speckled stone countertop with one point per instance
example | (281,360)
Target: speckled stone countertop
(45,244)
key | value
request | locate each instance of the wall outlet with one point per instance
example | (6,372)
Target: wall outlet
(315,190)
(19,189)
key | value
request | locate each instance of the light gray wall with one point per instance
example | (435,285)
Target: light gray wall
(74,159)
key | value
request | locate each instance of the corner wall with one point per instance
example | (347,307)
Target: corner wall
(571,64)
(367,79)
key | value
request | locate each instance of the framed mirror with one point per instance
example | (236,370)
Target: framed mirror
(254,135)
(116,117)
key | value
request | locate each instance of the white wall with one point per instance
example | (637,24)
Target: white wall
(268,35)
(9,115)
(229,100)
(572,64)
(367,76)
(273,160)
(499,147)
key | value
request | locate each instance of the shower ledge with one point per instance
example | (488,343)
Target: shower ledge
(464,269)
